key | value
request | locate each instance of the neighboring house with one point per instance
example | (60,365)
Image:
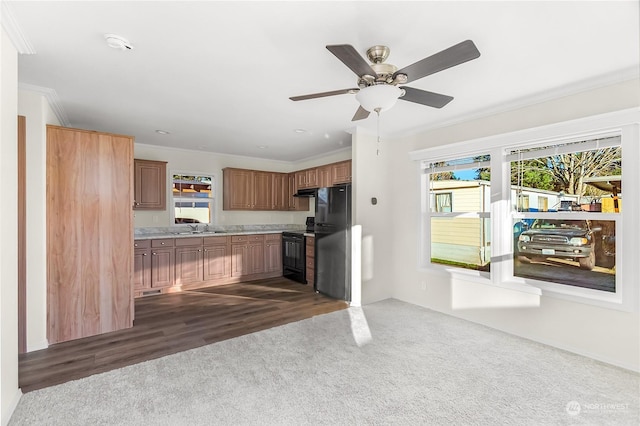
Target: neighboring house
(470,243)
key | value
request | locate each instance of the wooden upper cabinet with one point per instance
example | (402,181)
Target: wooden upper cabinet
(280,191)
(254,190)
(301,179)
(341,172)
(312,178)
(90,246)
(262,191)
(237,191)
(295,203)
(325,175)
(150,185)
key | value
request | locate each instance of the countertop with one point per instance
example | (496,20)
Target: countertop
(185,234)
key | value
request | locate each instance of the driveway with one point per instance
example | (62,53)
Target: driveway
(565,271)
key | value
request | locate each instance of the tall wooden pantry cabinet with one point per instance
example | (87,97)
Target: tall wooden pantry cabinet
(89,233)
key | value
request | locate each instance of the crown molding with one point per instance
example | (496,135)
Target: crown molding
(10,25)
(621,76)
(52,98)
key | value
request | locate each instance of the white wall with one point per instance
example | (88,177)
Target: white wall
(9,391)
(371,179)
(38,113)
(605,334)
(210,163)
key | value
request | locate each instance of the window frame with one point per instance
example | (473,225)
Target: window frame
(211,200)
(623,123)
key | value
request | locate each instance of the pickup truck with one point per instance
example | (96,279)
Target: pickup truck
(572,239)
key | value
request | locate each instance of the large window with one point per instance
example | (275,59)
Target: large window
(538,213)
(193,198)
(573,243)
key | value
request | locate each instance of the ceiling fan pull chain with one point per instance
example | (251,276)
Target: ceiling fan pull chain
(377,110)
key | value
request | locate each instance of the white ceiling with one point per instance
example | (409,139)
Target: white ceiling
(218,75)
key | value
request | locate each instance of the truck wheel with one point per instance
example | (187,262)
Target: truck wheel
(588,262)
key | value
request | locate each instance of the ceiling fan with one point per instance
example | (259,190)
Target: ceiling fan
(378,83)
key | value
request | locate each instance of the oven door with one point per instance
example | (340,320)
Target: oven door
(293,257)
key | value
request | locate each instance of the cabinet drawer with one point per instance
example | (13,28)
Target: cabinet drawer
(142,244)
(310,264)
(215,240)
(247,238)
(272,237)
(162,242)
(190,241)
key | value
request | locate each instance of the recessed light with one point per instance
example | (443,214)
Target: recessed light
(163,132)
(118,42)
(300,130)
(262,147)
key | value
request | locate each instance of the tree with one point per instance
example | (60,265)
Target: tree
(568,171)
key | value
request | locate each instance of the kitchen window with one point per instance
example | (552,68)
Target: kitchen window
(553,219)
(193,198)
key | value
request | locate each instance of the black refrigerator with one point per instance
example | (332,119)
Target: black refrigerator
(333,242)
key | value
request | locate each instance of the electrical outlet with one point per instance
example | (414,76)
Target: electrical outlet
(423,285)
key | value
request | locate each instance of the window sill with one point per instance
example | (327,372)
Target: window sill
(539,288)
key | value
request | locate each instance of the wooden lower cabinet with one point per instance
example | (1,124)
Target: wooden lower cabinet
(216,258)
(247,255)
(273,253)
(310,260)
(169,265)
(162,267)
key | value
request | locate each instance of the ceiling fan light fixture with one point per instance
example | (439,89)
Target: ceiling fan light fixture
(379,97)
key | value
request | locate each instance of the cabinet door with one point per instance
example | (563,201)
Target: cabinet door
(217,262)
(301,179)
(239,260)
(188,265)
(273,253)
(262,187)
(142,269)
(256,257)
(341,172)
(162,267)
(150,185)
(296,203)
(238,189)
(280,191)
(325,176)
(312,178)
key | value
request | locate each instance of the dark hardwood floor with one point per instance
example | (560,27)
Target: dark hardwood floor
(170,323)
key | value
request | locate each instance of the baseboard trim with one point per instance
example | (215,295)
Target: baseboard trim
(43,344)
(6,416)
(548,342)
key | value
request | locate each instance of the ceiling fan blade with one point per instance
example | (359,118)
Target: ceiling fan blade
(360,114)
(324,94)
(455,55)
(423,97)
(351,58)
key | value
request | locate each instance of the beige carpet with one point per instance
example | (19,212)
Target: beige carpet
(391,363)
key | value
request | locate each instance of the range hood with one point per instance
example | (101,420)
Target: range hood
(306,192)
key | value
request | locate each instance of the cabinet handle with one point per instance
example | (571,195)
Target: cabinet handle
(199,250)
(155,254)
(144,254)
(161,243)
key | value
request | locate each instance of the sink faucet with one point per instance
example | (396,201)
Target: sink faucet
(194,228)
